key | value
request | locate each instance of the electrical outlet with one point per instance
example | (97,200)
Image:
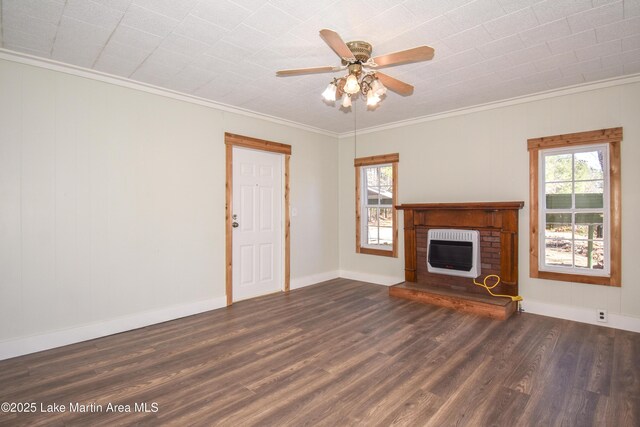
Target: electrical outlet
(602,315)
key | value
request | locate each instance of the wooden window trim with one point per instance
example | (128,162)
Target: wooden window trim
(230,141)
(393,159)
(377,160)
(613,137)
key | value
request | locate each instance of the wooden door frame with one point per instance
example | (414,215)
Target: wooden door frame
(232,140)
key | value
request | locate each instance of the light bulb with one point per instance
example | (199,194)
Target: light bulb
(351,86)
(330,92)
(346,100)
(372,99)
(378,88)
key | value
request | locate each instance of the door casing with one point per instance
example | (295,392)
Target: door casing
(230,141)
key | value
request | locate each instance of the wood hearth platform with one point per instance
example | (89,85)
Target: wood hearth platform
(484,305)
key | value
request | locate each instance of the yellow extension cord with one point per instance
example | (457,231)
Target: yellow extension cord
(488,288)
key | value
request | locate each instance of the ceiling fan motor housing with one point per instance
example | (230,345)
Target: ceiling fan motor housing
(361,50)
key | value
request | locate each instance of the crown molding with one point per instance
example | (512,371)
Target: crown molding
(583,87)
(50,64)
(23,58)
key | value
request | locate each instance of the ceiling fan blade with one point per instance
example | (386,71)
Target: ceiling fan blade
(338,45)
(394,84)
(416,54)
(299,71)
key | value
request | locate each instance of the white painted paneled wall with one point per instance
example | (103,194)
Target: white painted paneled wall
(112,199)
(482,156)
(112,206)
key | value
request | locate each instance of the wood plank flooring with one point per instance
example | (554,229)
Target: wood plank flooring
(339,353)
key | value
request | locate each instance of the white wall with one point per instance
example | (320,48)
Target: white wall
(112,204)
(482,156)
(112,199)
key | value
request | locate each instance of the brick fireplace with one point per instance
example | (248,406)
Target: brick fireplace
(497,223)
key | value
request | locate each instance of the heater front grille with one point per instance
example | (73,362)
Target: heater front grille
(454,252)
(453,235)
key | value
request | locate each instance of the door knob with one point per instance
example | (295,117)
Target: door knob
(234,224)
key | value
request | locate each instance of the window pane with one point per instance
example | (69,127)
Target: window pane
(557,168)
(385,217)
(589,254)
(386,231)
(386,236)
(589,165)
(592,232)
(558,195)
(372,226)
(558,253)
(589,226)
(595,186)
(386,176)
(372,177)
(559,218)
(558,226)
(372,216)
(581,253)
(372,186)
(372,235)
(386,196)
(589,194)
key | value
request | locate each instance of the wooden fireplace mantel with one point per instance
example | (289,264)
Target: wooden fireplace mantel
(497,223)
(499,216)
(462,206)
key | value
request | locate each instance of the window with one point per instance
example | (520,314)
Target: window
(574,189)
(376,217)
(575,205)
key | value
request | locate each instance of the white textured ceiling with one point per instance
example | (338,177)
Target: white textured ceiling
(228,51)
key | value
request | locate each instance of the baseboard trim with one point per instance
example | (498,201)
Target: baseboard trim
(582,315)
(371,278)
(301,282)
(34,343)
(31,344)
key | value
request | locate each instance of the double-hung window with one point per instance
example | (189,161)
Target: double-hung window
(575,207)
(376,218)
(574,190)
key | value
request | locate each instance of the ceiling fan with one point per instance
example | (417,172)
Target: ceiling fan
(362,76)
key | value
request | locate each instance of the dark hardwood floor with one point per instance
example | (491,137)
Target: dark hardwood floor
(339,353)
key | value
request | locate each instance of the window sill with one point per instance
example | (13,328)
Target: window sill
(577,278)
(379,252)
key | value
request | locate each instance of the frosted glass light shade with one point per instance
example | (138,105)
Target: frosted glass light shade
(351,86)
(372,99)
(330,92)
(378,88)
(346,100)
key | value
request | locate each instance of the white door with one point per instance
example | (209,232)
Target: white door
(257,219)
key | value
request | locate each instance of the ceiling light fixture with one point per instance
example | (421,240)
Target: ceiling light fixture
(355,83)
(362,77)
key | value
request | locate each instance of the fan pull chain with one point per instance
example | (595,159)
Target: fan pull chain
(355,133)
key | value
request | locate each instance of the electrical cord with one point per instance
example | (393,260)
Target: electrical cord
(488,288)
